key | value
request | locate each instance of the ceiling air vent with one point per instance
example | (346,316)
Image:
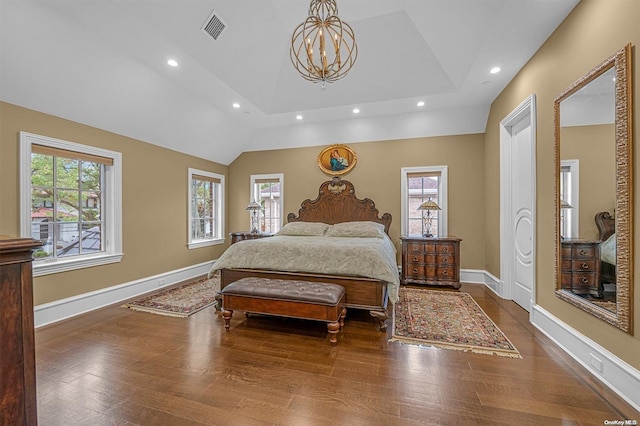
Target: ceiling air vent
(214,26)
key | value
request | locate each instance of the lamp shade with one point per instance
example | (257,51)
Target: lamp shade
(254,205)
(429,205)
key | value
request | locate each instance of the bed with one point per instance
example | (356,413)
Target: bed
(328,236)
(607,226)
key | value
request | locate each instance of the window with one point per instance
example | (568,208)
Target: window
(70,198)
(206,195)
(569,203)
(267,190)
(420,184)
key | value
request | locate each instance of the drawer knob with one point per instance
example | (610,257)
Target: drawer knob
(584,266)
(584,280)
(445,249)
(415,270)
(583,252)
(445,272)
(415,258)
(445,260)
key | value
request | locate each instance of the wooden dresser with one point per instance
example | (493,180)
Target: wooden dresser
(246,235)
(431,261)
(580,267)
(17,361)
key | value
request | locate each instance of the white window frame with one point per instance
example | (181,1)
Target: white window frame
(280,178)
(572,215)
(112,209)
(219,237)
(443,188)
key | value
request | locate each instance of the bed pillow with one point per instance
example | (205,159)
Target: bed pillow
(356,229)
(304,229)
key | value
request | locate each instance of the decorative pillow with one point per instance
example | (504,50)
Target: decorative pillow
(356,229)
(301,229)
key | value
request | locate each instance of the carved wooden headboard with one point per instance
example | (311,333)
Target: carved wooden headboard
(337,203)
(606,225)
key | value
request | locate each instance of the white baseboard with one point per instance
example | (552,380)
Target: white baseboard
(59,310)
(477,276)
(615,373)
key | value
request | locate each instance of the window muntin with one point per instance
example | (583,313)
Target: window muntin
(267,190)
(206,195)
(71,200)
(66,204)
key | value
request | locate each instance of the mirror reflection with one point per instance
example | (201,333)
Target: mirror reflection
(593,151)
(587,191)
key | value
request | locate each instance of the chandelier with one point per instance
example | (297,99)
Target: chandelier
(323,47)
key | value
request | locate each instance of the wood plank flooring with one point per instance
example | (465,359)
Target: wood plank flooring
(116,366)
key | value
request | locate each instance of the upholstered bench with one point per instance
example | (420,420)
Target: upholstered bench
(287,298)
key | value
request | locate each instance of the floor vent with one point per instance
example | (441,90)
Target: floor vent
(214,26)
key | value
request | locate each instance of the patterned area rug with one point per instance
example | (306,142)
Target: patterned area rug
(181,301)
(450,320)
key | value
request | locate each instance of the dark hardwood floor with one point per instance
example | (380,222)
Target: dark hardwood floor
(120,367)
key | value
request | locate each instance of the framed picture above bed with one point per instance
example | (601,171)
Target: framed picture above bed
(337,160)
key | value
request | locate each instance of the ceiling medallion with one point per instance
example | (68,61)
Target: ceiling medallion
(323,47)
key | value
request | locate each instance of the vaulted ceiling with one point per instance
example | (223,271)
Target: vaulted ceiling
(104,63)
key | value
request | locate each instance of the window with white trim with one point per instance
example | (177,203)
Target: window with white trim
(71,199)
(206,202)
(268,191)
(569,198)
(421,184)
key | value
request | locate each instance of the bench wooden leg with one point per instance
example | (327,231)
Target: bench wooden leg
(333,328)
(343,314)
(227,314)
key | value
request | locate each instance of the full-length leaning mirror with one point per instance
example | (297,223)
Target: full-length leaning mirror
(593,149)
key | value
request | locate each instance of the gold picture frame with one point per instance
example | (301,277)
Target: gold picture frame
(337,159)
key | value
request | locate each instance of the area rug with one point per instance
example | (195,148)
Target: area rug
(446,319)
(181,301)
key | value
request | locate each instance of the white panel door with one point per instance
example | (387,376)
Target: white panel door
(522,212)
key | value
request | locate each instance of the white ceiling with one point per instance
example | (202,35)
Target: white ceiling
(103,63)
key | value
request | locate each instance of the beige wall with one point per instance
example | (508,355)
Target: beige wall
(377,176)
(594,148)
(154,215)
(591,33)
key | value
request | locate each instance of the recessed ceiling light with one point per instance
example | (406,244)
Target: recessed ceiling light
(420,103)
(236,105)
(298,117)
(356,111)
(172,63)
(495,70)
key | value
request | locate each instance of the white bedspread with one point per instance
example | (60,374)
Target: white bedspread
(364,257)
(608,250)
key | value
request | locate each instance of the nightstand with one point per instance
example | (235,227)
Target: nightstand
(580,267)
(246,235)
(431,261)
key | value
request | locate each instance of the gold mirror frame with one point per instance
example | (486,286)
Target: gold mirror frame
(623,317)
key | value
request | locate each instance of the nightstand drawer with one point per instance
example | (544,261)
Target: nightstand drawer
(583,251)
(445,259)
(583,265)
